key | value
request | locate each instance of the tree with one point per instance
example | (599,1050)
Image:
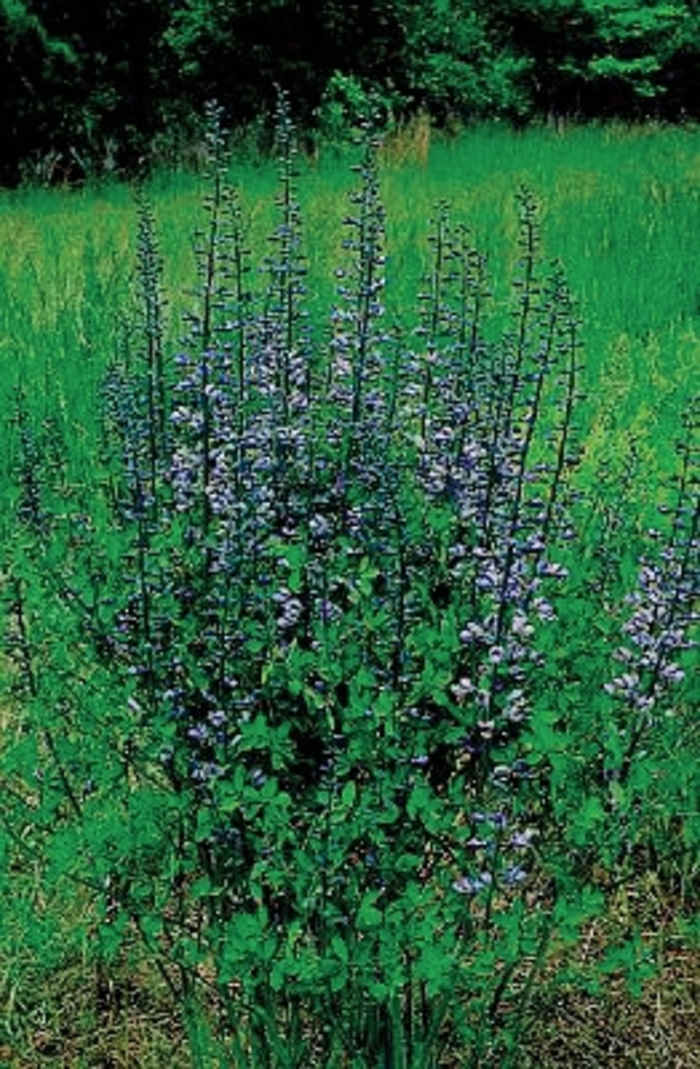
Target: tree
(451,66)
(237,51)
(639,42)
(33,60)
(597,57)
(88,87)
(113,103)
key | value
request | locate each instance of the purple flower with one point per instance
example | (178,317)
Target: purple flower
(473,885)
(521,840)
(514,875)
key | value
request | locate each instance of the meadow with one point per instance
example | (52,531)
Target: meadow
(349,715)
(619,207)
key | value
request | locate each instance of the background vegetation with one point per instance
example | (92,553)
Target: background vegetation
(89,90)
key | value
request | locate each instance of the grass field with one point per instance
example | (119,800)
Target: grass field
(620,208)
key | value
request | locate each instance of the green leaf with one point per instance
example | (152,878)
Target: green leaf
(368,915)
(340,949)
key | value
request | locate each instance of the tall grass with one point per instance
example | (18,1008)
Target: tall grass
(620,207)
(345,683)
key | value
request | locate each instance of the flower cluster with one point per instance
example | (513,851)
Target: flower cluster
(663,618)
(657,629)
(306,493)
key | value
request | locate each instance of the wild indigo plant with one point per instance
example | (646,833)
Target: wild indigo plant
(376,693)
(315,642)
(661,627)
(30,510)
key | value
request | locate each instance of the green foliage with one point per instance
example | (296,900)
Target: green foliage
(453,68)
(311,675)
(637,45)
(600,57)
(347,104)
(91,92)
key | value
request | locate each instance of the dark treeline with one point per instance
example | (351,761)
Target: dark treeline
(108,86)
